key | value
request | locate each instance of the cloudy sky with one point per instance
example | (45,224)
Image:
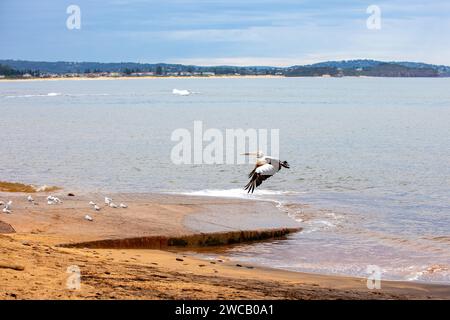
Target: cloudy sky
(219,32)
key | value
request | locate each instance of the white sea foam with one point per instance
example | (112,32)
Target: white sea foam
(237,193)
(54,94)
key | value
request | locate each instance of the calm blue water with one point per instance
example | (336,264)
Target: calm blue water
(369,178)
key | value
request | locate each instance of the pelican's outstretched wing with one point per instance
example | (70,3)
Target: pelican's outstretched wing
(258,175)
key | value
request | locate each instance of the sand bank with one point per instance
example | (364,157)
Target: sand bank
(34,265)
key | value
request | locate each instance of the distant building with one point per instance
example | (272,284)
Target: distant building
(142,74)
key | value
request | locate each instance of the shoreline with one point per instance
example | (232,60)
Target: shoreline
(40,229)
(143,77)
(202,77)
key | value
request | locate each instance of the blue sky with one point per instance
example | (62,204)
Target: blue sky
(217,32)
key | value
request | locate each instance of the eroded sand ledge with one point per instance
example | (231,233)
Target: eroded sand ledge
(187,241)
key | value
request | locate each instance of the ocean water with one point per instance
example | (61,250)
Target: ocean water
(370,158)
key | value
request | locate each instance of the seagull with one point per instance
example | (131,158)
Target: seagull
(123,205)
(96,208)
(92,203)
(266,166)
(108,201)
(88,217)
(112,205)
(30,199)
(7,208)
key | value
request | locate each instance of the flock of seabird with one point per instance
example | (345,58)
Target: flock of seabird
(52,200)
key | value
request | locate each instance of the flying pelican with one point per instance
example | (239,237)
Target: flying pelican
(265,167)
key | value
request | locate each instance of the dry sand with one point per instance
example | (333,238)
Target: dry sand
(33,266)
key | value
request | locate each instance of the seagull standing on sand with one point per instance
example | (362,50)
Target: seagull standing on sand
(265,167)
(181,92)
(96,208)
(53,200)
(30,199)
(7,208)
(112,205)
(108,201)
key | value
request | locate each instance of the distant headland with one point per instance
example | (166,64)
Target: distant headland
(22,69)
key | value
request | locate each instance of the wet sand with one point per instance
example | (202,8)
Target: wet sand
(33,265)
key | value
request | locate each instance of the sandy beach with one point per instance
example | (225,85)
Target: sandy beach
(33,264)
(82,78)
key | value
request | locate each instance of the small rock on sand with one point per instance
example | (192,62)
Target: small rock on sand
(11,266)
(179,259)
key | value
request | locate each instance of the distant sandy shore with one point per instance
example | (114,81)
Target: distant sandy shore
(34,266)
(143,77)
